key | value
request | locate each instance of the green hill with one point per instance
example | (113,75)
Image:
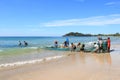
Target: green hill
(81,34)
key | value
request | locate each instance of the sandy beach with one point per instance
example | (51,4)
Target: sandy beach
(75,66)
(59,39)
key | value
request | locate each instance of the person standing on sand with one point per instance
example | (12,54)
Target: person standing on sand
(108,44)
(100,42)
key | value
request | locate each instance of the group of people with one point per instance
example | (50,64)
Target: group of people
(103,45)
(24,43)
(72,46)
(65,44)
(78,47)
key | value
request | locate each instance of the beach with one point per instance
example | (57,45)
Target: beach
(59,39)
(73,66)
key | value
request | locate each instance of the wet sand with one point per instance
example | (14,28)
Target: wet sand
(75,66)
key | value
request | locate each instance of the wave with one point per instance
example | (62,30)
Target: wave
(30,61)
(31,47)
(34,47)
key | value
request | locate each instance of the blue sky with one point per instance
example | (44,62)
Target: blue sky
(58,17)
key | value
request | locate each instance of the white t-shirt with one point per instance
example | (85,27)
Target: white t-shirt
(96,46)
(100,42)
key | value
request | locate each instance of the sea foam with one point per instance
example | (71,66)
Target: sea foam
(30,61)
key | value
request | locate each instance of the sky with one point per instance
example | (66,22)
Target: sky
(58,17)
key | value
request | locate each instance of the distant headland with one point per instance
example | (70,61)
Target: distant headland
(81,34)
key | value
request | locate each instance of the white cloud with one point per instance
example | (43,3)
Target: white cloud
(80,0)
(90,21)
(112,3)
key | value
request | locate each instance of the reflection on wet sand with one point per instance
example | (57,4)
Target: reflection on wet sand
(84,58)
(103,58)
(78,58)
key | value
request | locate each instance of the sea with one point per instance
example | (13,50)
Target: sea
(11,54)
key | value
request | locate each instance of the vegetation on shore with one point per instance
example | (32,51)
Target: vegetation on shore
(81,34)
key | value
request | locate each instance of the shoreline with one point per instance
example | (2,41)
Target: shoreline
(115,47)
(74,66)
(16,64)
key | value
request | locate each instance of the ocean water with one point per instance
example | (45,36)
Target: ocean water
(11,54)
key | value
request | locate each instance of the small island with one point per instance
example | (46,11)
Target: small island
(81,34)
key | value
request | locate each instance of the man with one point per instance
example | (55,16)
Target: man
(96,48)
(108,44)
(73,47)
(100,42)
(20,44)
(25,43)
(56,44)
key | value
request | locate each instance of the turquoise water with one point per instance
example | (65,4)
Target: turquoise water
(10,52)
(11,42)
